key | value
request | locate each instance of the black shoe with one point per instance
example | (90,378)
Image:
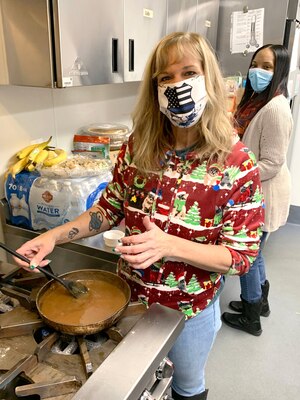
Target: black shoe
(248,321)
(265,309)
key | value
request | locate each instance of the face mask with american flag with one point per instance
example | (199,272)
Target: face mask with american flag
(183,102)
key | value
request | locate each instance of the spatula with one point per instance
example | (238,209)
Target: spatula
(76,289)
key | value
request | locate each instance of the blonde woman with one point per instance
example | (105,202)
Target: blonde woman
(191,198)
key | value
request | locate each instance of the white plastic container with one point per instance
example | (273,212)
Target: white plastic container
(117,133)
(113,238)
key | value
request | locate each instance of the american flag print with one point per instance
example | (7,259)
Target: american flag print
(179,99)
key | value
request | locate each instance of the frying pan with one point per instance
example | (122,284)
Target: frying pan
(84,275)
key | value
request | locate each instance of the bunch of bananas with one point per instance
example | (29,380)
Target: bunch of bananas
(36,155)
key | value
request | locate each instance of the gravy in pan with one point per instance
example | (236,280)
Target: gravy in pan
(100,302)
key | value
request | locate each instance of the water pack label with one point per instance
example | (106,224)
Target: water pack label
(54,202)
(48,205)
(17,195)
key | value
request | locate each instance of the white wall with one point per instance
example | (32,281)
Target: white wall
(294,152)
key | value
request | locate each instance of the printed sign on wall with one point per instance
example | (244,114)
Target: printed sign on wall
(247,29)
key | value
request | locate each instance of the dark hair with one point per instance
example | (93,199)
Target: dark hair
(279,81)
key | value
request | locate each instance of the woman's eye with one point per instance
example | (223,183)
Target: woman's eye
(191,73)
(163,79)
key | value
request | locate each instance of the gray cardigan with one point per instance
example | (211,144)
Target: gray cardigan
(268,136)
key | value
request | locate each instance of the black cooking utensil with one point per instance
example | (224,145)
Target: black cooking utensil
(75,288)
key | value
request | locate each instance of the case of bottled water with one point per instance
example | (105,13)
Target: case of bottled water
(41,202)
(54,202)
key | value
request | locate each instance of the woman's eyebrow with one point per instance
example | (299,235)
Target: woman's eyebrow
(189,66)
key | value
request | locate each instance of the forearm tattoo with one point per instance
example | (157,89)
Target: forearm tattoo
(96,221)
(73,232)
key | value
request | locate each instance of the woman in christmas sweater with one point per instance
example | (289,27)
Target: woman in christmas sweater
(191,197)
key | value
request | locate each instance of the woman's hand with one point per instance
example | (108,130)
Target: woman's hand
(36,250)
(142,250)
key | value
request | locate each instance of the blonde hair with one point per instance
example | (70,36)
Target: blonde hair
(153,135)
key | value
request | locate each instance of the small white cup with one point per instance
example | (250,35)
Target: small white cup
(112,238)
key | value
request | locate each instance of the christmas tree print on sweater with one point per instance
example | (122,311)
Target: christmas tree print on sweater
(199,173)
(193,286)
(258,196)
(171,280)
(193,215)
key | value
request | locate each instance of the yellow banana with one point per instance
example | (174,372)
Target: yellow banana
(61,156)
(18,166)
(41,157)
(32,155)
(30,167)
(25,151)
(51,154)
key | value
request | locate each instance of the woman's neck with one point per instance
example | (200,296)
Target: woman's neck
(184,137)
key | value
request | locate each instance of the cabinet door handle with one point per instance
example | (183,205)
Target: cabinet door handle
(131,55)
(114,55)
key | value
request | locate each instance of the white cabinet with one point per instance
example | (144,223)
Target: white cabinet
(199,16)
(88,42)
(207,19)
(182,16)
(64,43)
(145,24)
(106,44)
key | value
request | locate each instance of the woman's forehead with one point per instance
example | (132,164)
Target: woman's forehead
(176,54)
(265,55)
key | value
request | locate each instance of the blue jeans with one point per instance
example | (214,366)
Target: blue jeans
(252,281)
(191,349)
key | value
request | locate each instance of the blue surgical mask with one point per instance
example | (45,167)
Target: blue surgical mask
(259,79)
(183,102)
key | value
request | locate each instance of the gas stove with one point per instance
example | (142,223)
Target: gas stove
(128,361)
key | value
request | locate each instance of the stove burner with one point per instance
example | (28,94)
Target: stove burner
(7,303)
(96,340)
(47,357)
(41,333)
(8,392)
(67,344)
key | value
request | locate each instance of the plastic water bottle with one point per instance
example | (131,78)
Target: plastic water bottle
(14,204)
(23,207)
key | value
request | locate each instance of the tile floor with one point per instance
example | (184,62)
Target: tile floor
(245,367)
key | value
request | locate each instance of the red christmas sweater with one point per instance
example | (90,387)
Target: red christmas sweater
(195,200)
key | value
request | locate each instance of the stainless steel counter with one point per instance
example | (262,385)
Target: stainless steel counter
(133,364)
(81,254)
